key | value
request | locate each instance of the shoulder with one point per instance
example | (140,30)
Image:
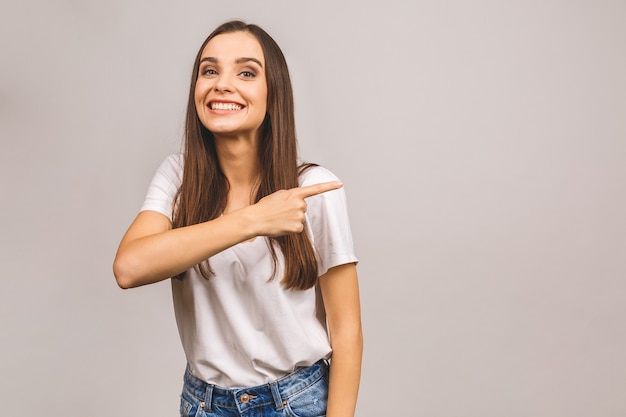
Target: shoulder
(164,186)
(173,161)
(169,174)
(315,175)
(172,167)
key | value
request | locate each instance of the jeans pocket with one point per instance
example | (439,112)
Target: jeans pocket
(190,407)
(310,402)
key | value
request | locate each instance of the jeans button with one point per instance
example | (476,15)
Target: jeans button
(244,398)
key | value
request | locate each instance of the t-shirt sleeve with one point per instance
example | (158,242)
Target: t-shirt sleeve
(164,186)
(327,222)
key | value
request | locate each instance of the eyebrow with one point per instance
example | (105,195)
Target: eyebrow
(237,61)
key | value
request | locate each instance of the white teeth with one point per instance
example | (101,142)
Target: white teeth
(225,106)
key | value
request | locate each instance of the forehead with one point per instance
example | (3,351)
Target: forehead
(230,46)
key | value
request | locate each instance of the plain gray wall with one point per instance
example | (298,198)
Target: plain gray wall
(483,148)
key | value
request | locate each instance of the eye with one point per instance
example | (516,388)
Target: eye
(247,74)
(208,71)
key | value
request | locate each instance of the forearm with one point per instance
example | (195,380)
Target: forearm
(152,251)
(345,375)
(155,257)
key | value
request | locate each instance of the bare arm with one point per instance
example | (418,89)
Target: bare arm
(152,251)
(340,292)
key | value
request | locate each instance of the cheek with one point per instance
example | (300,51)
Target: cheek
(199,101)
(197,96)
(262,99)
(200,91)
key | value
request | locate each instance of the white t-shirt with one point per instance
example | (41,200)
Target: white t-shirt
(239,329)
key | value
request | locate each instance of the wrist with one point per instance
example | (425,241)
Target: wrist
(246,223)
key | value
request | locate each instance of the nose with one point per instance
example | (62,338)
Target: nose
(223,84)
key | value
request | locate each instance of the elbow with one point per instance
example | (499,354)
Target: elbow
(132,271)
(350,339)
(123,272)
(358,340)
(122,283)
(120,275)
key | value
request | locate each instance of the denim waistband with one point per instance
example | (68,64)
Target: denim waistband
(276,392)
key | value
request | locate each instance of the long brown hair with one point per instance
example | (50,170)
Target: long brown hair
(203,193)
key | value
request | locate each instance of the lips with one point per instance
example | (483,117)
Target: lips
(220,105)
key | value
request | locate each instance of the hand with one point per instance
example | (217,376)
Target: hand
(282,212)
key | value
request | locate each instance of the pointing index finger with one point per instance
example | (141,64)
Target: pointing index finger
(315,189)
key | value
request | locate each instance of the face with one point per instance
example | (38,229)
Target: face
(231,89)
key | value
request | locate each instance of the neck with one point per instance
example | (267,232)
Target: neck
(239,161)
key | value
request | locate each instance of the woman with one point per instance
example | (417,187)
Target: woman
(265,284)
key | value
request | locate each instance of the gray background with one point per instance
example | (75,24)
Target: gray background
(483,148)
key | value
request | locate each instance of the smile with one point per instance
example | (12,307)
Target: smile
(224,106)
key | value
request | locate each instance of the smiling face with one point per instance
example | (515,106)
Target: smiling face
(231,88)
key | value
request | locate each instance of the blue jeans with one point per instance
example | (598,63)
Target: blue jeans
(302,393)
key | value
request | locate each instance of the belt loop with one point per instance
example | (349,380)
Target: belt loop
(278,401)
(208,398)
